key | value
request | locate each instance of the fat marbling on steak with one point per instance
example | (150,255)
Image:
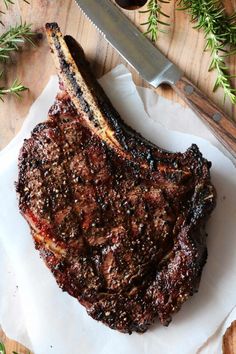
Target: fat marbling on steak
(118,221)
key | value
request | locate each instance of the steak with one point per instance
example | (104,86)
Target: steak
(119,221)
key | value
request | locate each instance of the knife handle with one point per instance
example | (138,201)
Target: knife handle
(221,126)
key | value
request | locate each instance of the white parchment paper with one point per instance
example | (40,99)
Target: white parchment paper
(36,312)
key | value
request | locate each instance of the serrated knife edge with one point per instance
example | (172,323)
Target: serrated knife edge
(107,18)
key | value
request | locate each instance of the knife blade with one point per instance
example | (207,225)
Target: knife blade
(130,42)
(155,68)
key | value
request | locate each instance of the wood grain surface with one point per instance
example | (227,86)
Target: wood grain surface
(229,340)
(217,121)
(33,66)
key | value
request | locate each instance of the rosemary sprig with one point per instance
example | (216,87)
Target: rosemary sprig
(154,13)
(16,88)
(220,36)
(10,41)
(2,348)
(223,79)
(13,38)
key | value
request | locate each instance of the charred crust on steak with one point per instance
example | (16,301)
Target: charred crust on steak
(119,221)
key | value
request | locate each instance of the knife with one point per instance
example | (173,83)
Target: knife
(155,68)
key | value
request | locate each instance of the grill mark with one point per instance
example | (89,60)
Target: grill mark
(101,211)
(68,172)
(130,171)
(42,171)
(89,251)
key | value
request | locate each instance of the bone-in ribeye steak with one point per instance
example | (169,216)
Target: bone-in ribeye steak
(118,220)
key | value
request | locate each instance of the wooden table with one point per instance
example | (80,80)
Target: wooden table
(34,66)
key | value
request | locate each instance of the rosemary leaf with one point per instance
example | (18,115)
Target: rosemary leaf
(2,348)
(220,37)
(16,88)
(154,12)
(13,38)
(10,41)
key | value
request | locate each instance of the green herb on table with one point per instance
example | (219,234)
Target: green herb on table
(219,29)
(10,41)
(2,348)
(154,13)
(220,35)
(13,38)
(16,88)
